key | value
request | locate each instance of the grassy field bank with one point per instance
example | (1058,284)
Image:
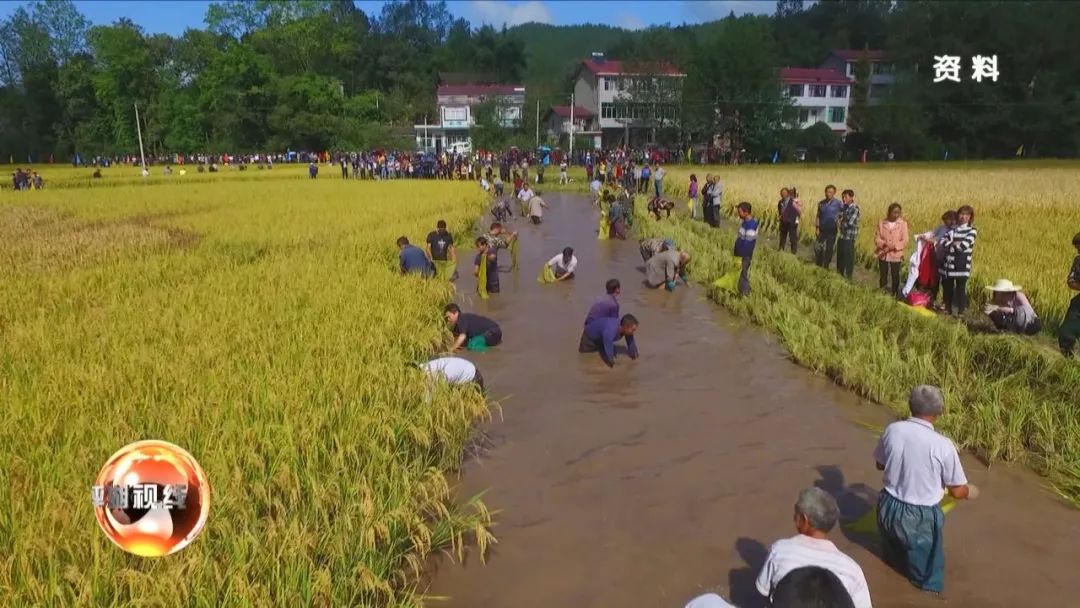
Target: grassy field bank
(262,326)
(1008,397)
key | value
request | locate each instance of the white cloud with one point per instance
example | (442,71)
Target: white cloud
(711,10)
(495,13)
(630,21)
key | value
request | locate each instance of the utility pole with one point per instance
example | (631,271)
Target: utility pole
(138,128)
(571,127)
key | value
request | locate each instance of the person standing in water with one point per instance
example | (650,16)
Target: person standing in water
(607,305)
(439,246)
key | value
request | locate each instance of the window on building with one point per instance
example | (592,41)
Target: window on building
(850,68)
(837,114)
(817,90)
(607,83)
(839,90)
(795,90)
(607,110)
(804,116)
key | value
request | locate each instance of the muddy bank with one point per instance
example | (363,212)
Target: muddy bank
(646,484)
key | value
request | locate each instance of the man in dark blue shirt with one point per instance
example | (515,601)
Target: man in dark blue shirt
(606,306)
(601,335)
(413,259)
(826,223)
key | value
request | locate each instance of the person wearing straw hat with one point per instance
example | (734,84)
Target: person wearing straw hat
(1009,309)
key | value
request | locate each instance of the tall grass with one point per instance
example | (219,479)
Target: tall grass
(262,326)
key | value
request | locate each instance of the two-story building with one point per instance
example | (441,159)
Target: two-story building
(456,104)
(631,99)
(586,125)
(881,69)
(818,96)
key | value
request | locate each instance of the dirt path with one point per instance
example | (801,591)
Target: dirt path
(644,485)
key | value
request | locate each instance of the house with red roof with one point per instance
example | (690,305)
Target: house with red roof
(612,90)
(881,69)
(819,95)
(455,116)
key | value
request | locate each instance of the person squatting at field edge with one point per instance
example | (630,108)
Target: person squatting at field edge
(600,335)
(1070,327)
(920,465)
(563,264)
(744,245)
(1009,309)
(471,329)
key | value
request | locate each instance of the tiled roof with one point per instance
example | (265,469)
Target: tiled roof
(614,67)
(813,76)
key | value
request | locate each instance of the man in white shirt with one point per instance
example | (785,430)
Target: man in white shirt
(563,178)
(454,370)
(564,264)
(524,196)
(920,465)
(816,513)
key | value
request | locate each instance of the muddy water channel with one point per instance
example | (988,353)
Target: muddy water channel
(649,483)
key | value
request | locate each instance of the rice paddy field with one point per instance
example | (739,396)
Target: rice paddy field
(257,320)
(1008,397)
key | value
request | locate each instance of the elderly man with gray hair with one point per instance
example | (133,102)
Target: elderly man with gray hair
(920,465)
(816,514)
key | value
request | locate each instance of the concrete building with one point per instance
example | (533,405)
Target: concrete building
(819,96)
(586,125)
(613,91)
(456,105)
(881,69)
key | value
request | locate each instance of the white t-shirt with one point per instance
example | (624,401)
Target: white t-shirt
(919,462)
(799,551)
(709,600)
(526,194)
(659,174)
(454,369)
(595,185)
(562,166)
(557,263)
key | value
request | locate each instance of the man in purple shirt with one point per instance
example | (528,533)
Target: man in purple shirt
(606,306)
(601,334)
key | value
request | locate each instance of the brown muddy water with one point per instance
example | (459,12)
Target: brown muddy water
(669,476)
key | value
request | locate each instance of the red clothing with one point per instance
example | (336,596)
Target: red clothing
(928,272)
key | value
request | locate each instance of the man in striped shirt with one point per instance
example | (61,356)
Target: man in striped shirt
(816,513)
(744,245)
(849,231)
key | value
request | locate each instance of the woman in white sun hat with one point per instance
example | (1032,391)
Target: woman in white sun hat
(1009,309)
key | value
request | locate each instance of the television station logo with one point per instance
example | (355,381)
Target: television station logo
(151,498)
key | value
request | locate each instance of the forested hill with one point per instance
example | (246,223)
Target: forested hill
(552,51)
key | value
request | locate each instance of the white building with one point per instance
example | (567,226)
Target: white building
(456,114)
(605,87)
(881,69)
(586,125)
(819,96)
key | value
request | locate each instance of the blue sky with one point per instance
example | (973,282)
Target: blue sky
(173,17)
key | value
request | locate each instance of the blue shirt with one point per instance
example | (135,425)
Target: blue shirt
(744,243)
(604,306)
(828,212)
(413,259)
(605,331)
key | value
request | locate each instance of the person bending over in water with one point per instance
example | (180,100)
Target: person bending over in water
(601,334)
(665,267)
(468,327)
(564,264)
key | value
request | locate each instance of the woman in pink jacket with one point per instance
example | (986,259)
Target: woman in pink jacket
(889,243)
